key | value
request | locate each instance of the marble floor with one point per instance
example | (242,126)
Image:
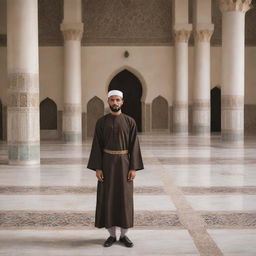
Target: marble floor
(196,196)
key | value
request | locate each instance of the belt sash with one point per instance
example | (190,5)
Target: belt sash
(116,152)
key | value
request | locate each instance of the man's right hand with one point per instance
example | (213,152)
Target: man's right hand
(99,175)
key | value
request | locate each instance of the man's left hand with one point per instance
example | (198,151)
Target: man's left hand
(131,175)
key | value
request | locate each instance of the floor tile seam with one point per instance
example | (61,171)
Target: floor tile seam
(226,212)
(137,212)
(202,239)
(91,227)
(205,243)
(155,190)
(185,210)
(65,190)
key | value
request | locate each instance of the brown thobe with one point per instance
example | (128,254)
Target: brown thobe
(115,194)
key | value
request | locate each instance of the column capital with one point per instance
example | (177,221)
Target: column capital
(72,31)
(203,32)
(182,35)
(203,35)
(182,32)
(234,5)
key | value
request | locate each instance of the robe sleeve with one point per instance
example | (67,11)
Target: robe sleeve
(136,162)
(95,159)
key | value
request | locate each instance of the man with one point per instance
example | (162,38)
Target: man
(115,156)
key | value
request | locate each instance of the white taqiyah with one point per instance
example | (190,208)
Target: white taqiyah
(115,93)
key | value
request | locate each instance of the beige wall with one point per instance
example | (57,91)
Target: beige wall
(51,74)
(250,75)
(215,66)
(152,65)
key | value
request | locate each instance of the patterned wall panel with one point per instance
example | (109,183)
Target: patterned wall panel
(50,16)
(126,22)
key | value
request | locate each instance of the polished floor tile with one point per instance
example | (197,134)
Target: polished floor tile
(223,202)
(235,242)
(195,195)
(84,202)
(89,242)
(212,175)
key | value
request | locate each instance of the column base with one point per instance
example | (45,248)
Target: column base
(180,128)
(72,138)
(232,136)
(23,154)
(201,130)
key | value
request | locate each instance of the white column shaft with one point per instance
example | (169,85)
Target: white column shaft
(232,95)
(22,26)
(201,87)
(72,29)
(23,131)
(181,72)
(201,90)
(233,53)
(180,104)
(72,72)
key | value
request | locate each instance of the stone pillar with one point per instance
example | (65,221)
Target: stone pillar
(232,81)
(23,132)
(72,29)
(202,86)
(180,104)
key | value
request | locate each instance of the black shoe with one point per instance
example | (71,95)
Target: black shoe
(126,241)
(109,241)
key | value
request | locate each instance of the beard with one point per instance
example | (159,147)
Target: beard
(115,108)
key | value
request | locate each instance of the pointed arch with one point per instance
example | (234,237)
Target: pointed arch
(130,85)
(135,72)
(48,114)
(95,110)
(160,113)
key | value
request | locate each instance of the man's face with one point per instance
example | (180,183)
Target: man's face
(115,103)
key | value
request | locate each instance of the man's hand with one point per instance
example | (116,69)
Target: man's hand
(131,175)
(99,175)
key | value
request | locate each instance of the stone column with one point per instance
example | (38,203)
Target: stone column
(23,82)
(180,104)
(232,81)
(201,88)
(72,113)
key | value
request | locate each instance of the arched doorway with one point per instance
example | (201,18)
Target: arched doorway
(48,115)
(160,113)
(131,87)
(95,110)
(215,109)
(1,120)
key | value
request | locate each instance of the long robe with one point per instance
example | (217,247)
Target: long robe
(114,205)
